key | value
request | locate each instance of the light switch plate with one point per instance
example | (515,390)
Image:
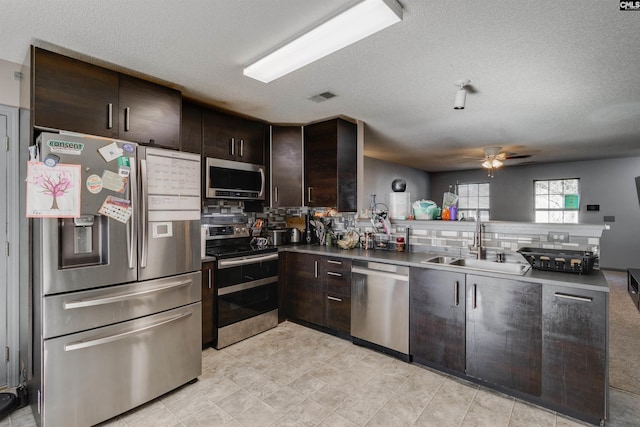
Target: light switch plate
(558,236)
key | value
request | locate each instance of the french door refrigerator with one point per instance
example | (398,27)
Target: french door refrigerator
(117,289)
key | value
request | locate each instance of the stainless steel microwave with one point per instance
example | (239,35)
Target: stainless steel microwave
(227,179)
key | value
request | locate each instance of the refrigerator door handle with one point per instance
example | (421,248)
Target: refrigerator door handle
(131,230)
(89,302)
(143,213)
(84,344)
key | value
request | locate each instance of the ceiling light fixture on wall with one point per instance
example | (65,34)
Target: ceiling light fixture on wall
(354,24)
(461,94)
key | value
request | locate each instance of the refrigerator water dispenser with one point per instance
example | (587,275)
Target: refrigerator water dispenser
(82,240)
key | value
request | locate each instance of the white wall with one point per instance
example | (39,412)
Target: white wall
(9,85)
(609,183)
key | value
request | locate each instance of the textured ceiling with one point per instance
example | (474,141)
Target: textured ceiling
(555,79)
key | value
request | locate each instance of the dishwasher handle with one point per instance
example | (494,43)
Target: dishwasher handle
(378,273)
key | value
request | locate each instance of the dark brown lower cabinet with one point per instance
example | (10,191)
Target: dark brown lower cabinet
(574,328)
(208,304)
(304,288)
(437,318)
(504,339)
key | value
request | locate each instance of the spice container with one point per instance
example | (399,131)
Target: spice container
(400,244)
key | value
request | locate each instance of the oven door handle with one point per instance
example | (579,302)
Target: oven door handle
(226,263)
(247,285)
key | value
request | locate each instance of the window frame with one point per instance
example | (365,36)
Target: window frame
(470,212)
(567,214)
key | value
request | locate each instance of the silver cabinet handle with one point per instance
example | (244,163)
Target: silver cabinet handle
(275,190)
(331,273)
(90,302)
(232,146)
(209,278)
(315,271)
(309,194)
(241,147)
(84,344)
(572,297)
(330,261)
(334,298)
(127,119)
(474,305)
(456,297)
(109,115)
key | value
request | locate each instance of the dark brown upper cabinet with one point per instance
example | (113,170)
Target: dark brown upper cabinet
(286,166)
(330,164)
(69,94)
(229,137)
(191,127)
(72,95)
(149,113)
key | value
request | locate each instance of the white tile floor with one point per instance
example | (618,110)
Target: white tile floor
(295,376)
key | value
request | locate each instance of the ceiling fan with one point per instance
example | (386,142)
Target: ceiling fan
(494,158)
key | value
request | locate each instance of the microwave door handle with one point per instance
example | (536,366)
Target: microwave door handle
(262,180)
(131,229)
(143,213)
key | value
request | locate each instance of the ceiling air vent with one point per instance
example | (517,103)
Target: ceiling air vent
(321,97)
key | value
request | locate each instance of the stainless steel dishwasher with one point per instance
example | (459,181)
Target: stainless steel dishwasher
(380,305)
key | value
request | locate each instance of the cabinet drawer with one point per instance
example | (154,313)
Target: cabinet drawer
(338,282)
(338,312)
(337,265)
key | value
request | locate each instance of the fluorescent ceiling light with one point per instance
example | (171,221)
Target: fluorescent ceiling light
(352,25)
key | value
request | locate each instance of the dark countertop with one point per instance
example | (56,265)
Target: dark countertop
(594,281)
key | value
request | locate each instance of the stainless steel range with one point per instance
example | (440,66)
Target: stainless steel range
(245,280)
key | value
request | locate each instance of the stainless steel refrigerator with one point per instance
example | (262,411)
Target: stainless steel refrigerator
(116,284)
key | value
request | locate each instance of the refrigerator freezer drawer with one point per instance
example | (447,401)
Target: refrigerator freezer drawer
(92,376)
(81,311)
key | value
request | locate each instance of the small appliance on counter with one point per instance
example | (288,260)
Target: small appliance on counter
(276,236)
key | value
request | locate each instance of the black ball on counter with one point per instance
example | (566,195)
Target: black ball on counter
(398,185)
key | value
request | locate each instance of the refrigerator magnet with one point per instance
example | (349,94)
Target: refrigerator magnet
(129,148)
(51,160)
(115,208)
(110,152)
(124,167)
(94,184)
(114,182)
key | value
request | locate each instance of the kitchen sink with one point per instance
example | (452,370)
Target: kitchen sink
(482,265)
(441,260)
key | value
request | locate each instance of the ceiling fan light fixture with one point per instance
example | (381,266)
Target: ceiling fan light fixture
(354,24)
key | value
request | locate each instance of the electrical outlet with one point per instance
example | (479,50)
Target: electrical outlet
(558,236)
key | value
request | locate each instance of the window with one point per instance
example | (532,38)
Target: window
(557,200)
(473,197)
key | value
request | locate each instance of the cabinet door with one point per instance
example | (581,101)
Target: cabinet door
(574,352)
(250,141)
(149,113)
(208,304)
(229,137)
(304,288)
(191,128)
(321,167)
(437,317)
(286,166)
(72,95)
(330,162)
(504,342)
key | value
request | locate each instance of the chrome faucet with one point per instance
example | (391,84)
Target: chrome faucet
(477,249)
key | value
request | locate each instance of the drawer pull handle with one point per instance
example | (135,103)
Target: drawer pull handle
(573,297)
(331,273)
(456,300)
(334,299)
(330,261)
